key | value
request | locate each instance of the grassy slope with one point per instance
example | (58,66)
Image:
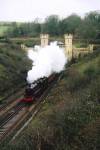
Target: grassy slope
(13,67)
(70,118)
(4,26)
(3,29)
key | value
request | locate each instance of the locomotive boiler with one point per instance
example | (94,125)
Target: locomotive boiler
(34,90)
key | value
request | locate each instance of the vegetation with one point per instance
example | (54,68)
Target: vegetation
(3,29)
(13,68)
(30,42)
(70,117)
(84,28)
(4,26)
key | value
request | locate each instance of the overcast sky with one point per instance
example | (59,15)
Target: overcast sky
(28,10)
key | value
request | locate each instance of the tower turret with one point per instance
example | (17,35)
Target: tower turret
(68,46)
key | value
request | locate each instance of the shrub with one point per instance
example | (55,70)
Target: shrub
(13,68)
(75,80)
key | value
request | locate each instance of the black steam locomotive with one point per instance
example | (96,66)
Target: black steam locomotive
(34,91)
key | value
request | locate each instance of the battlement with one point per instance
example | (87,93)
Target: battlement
(44,36)
(68,36)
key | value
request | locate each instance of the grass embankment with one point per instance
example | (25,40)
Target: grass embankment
(13,68)
(70,117)
(3,29)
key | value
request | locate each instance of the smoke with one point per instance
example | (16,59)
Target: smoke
(47,60)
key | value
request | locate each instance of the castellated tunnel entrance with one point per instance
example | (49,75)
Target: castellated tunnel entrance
(67,44)
(69,49)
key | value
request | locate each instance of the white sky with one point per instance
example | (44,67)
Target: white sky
(28,10)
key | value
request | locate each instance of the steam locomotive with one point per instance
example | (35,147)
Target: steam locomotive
(34,90)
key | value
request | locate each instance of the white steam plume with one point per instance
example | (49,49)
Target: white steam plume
(47,60)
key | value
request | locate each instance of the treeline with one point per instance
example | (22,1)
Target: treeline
(87,27)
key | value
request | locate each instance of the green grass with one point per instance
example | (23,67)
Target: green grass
(80,45)
(3,29)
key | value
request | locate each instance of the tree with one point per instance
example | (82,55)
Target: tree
(70,24)
(90,26)
(51,25)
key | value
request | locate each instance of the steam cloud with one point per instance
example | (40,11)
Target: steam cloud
(47,60)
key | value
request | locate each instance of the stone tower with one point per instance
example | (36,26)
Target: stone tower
(68,46)
(44,40)
(91,48)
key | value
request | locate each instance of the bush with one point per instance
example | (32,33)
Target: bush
(75,80)
(14,65)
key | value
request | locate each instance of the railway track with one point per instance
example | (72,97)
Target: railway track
(10,118)
(16,117)
(10,102)
(5,118)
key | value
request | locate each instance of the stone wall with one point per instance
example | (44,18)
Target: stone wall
(82,51)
